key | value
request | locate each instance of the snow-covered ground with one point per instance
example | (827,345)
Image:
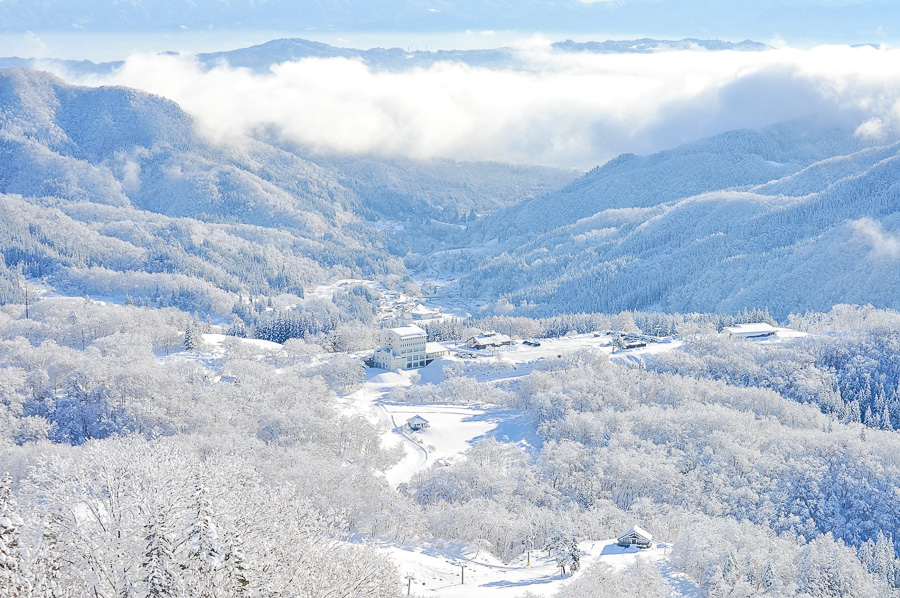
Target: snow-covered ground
(437,571)
(455,427)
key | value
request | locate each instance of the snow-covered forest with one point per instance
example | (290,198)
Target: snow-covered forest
(135,464)
(188,400)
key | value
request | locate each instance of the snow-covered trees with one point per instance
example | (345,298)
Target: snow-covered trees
(641,578)
(193,336)
(155,519)
(563,548)
(13,578)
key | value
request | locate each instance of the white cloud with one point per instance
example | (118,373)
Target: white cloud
(563,108)
(883,243)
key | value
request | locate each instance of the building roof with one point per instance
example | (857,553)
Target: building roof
(639,532)
(491,338)
(422,311)
(751,330)
(435,348)
(416,419)
(408,331)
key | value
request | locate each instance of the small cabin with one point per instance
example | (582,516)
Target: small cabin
(636,537)
(417,422)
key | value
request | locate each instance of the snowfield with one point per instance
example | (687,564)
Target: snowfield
(437,570)
(456,427)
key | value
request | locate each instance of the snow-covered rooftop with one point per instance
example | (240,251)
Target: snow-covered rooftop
(638,531)
(491,338)
(751,330)
(409,331)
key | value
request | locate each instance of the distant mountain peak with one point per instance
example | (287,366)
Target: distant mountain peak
(647,46)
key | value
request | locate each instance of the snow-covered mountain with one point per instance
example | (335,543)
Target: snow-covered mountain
(260,58)
(98,184)
(263,56)
(793,218)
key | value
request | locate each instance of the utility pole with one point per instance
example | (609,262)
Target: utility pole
(25,288)
(462,576)
(409,579)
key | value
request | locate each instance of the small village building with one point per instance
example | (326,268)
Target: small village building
(757,330)
(417,422)
(400,348)
(636,537)
(487,340)
(435,350)
(420,312)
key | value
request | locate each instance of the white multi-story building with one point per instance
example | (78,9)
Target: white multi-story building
(402,347)
(405,347)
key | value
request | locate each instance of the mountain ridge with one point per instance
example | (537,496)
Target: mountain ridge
(261,57)
(800,241)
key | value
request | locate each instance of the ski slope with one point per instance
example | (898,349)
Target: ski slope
(437,570)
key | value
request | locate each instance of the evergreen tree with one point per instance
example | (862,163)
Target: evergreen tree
(562,547)
(193,337)
(236,581)
(13,581)
(203,560)
(159,564)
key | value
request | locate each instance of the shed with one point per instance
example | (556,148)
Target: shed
(636,537)
(417,422)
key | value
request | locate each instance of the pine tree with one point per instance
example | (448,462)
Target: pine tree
(885,420)
(562,547)
(236,580)
(13,581)
(158,565)
(204,559)
(193,338)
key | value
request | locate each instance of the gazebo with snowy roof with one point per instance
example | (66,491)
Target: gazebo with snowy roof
(417,422)
(636,537)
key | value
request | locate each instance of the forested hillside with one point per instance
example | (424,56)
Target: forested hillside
(112,192)
(793,218)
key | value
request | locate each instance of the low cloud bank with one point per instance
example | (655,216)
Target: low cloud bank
(573,109)
(883,243)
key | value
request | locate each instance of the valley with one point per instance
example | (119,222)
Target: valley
(616,286)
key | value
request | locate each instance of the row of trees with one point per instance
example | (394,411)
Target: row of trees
(130,517)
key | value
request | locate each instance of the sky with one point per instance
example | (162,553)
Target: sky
(557,108)
(800,22)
